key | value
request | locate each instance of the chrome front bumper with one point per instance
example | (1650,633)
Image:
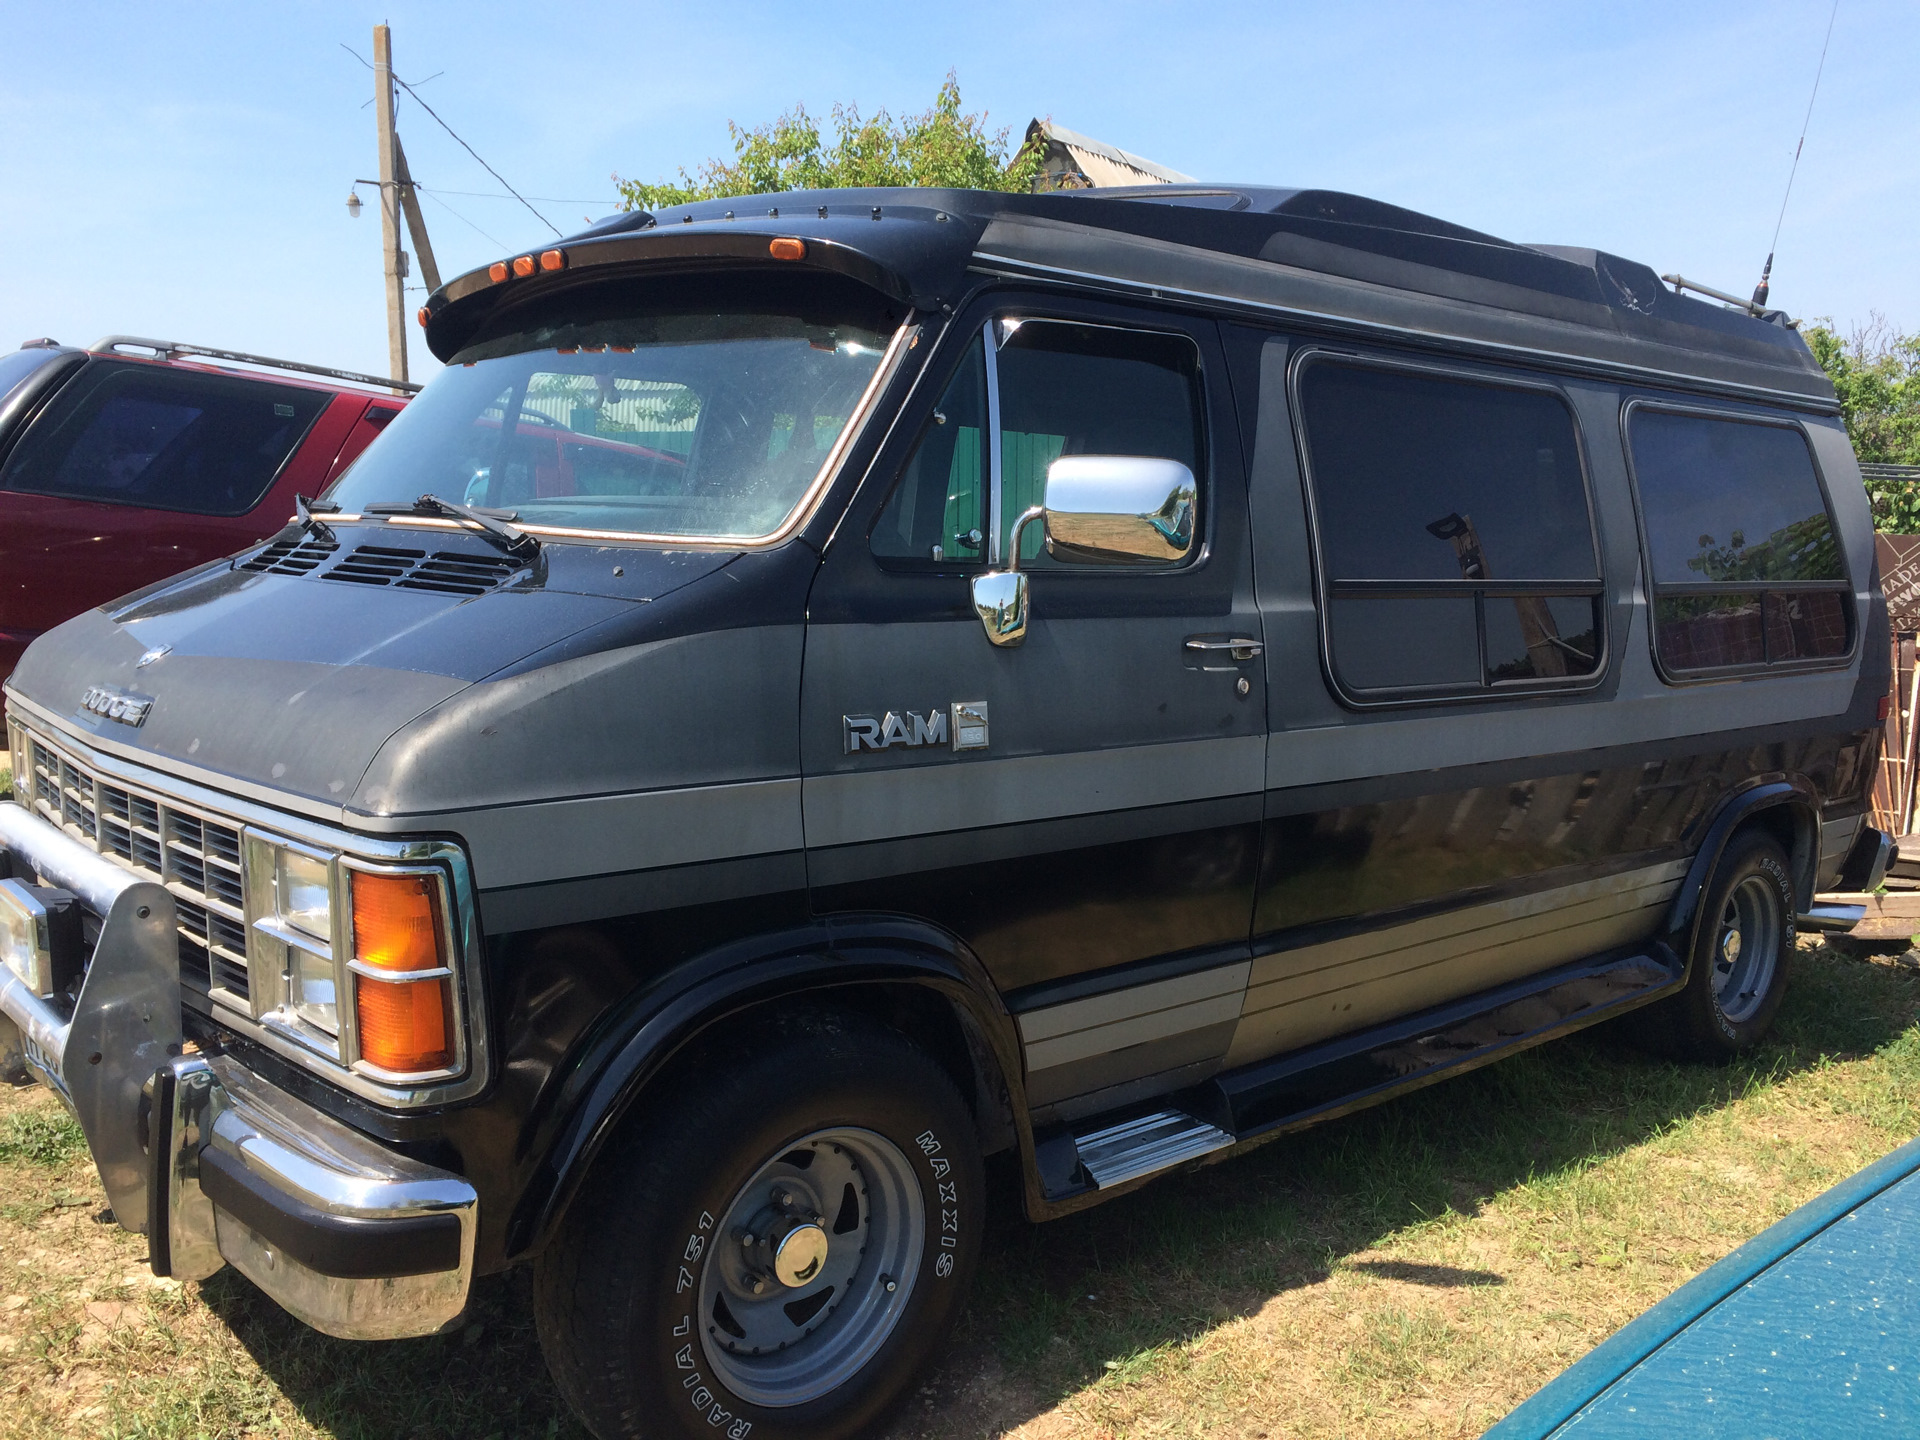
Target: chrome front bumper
(209,1161)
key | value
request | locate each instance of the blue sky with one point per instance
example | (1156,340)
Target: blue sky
(182,170)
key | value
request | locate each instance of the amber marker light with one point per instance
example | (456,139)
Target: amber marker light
(523,265)
(553,259)
(422,317)
(497,271)
(787,248)
(405,1024)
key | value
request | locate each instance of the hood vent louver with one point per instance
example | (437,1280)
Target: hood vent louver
(445,572)
(292,557)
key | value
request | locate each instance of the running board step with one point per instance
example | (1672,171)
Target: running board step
(1152,1143)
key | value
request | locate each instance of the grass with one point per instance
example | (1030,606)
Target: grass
(1415,1270)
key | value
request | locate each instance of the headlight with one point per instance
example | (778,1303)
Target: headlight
(353,960)
(290,940)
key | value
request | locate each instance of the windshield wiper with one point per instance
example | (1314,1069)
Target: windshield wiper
(510,538)
(306,517)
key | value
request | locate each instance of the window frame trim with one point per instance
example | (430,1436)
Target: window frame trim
(1655,590)
(1326,587)
(986,332)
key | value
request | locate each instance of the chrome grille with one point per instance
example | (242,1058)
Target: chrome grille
(196,855)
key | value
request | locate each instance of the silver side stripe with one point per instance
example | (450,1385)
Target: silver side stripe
(886,804)
(1298,997)
(1101,1024)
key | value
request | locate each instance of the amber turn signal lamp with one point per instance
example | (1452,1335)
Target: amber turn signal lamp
(523,265)
(404,1025)
(422,317)
(553,259)
(786,248)
(497,271)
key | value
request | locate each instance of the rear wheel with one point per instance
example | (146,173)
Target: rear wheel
(1738,974)
(777,1250)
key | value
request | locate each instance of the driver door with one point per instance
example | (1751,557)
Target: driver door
(1081,810)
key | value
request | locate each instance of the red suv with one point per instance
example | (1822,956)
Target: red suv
(127,463)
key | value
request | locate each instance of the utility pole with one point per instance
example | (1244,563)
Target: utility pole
(394,258)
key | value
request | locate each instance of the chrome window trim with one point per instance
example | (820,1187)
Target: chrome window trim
(1654,589)
(904,339)
(1007,267)
(1399,697)
(355,850)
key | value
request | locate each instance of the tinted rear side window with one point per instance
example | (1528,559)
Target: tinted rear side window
(1746,561)
(162,439)
(1456,545)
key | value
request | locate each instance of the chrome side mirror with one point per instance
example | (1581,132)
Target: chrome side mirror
(1000,600)
(1119,509)
(1100,510)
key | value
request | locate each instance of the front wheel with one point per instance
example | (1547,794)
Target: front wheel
(777,1251)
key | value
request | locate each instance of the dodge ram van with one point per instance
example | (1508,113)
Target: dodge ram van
(828,688)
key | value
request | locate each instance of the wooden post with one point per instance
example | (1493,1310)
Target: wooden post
(393,258)
(416,222)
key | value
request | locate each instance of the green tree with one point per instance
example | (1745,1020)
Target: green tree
(942,147)
(1876,373)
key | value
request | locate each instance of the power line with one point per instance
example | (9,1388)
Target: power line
(549,199)
(1766,273)
(463,144)
(461,218)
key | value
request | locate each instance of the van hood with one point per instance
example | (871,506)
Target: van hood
(294,682)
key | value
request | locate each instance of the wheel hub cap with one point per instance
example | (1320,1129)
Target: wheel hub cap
(799,1255)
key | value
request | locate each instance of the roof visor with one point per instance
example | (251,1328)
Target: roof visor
(694,408)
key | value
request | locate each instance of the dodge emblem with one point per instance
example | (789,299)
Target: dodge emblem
(111,704)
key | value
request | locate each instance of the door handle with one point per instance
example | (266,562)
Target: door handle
(1239,646)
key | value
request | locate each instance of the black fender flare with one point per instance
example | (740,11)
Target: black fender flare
(1737,809)
(642,1036)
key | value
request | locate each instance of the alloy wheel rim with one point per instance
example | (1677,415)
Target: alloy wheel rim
(1747,948)
(812,1265)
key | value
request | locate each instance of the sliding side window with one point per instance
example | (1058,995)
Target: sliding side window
(1456,544)
(1745,557)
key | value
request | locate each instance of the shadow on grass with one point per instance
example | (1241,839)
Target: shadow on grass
(1057,1305)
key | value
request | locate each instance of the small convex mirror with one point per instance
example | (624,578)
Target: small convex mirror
(1099,510)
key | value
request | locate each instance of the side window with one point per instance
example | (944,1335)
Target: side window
(938,513)
(1063,389)
(1745,558)
(1070,389)
(1456,545)
(163,439)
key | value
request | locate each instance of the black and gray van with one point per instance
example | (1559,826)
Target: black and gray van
(828,688)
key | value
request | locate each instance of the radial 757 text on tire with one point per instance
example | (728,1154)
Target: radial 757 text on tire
(774,1246)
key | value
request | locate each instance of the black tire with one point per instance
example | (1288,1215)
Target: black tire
(617,1295)
(1728,1005)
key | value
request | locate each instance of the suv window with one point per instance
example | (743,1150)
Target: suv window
(1064,389)
(1745,558)
(1456,545)
(164,439)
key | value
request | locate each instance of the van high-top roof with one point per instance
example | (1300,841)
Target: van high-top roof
(1318,260)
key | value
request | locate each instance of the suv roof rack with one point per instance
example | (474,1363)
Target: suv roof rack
(174,349)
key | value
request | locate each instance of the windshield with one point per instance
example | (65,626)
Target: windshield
(696,412)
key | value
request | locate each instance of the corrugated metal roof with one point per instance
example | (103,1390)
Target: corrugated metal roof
(1075,160)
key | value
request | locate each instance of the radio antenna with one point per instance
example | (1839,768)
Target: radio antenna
(1766,271)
